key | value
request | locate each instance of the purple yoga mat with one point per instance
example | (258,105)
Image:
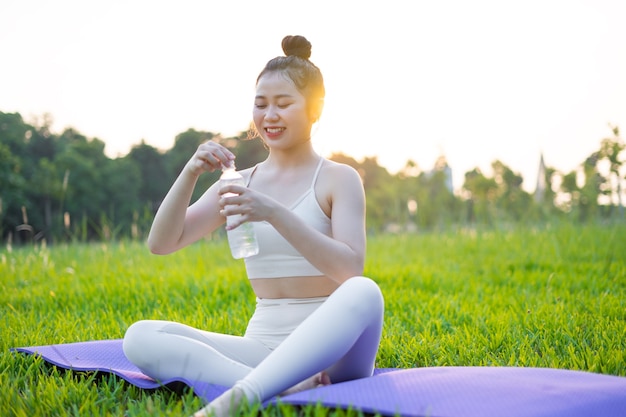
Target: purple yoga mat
(108,356)
(478,392)
(420,392)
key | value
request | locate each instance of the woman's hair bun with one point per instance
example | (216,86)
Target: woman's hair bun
(297,45)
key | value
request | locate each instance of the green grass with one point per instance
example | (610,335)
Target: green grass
(550,297)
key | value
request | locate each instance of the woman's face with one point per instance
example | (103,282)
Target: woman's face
(280,112)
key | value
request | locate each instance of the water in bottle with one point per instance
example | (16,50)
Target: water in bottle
(242,239)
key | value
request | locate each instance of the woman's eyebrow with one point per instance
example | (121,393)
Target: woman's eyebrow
(277,96)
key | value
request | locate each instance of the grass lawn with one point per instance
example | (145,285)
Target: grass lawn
(547,297)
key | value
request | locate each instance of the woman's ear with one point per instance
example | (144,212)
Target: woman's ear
(315,109)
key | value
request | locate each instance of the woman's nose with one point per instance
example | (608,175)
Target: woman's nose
(271,113)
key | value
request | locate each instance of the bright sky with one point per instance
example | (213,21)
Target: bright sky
(473,80)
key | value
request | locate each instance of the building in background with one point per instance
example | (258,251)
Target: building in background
(540,188)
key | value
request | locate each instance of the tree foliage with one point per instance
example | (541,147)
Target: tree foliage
(63,186)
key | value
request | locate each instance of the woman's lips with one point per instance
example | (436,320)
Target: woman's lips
(274,131)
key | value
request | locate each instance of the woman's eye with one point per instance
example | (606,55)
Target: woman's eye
(260,106)
(283,105)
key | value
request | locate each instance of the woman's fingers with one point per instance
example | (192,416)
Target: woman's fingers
(210,156)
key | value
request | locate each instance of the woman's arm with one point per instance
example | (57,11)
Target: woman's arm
(176,224)
(339,257)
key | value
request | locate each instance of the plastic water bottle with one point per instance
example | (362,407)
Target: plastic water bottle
(242,239)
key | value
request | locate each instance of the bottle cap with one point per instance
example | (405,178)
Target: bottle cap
(231,165)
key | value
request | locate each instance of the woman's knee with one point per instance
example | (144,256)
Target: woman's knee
(364,294)
(137,339)
(364,286)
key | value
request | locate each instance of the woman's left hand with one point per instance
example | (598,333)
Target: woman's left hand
(252,206)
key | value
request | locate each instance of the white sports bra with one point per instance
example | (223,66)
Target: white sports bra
(277,258)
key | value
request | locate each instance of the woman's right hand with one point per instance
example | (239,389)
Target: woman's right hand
(209,157)
(176,224)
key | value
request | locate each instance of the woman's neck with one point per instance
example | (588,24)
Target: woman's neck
(292,157)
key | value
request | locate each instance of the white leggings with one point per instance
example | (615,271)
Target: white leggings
(286,342)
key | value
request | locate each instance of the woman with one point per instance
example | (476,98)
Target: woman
(317,319)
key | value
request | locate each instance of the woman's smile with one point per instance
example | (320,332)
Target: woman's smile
(274,132)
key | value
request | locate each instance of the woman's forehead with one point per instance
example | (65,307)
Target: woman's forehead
(276,83)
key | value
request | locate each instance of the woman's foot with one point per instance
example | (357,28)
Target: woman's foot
(318,380)
(228,403)
(223,406)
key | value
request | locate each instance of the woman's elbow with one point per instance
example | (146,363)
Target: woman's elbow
(354,269)
(159,251)
(157,248)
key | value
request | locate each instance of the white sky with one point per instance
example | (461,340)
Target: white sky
(475,80)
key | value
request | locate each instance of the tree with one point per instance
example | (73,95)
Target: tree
(511,199)
(14,133)
(569,187)
(11,190)
(84,197)
(154,178)
(16,167)
(47,192)
(121,182)
(385,203)
(185,146)
(482,193)
(249,151)
(592,188)
(44,175)
(436,202)
(611,150)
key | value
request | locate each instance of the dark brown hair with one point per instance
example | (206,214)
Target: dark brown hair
(305,75)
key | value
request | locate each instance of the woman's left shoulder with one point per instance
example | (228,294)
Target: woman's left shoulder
(339,182)
(333,168)
(338,175)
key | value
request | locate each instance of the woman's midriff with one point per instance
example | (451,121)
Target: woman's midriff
(293,287)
